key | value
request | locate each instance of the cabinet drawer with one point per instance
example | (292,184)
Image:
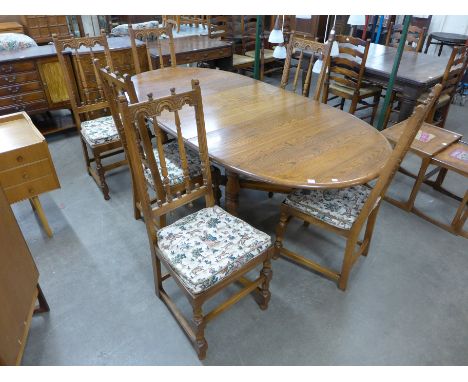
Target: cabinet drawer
(15,67)
(23,98)
(21,88)
(29,107)
(18,78)
(26,173)
(32,188)
(20,157)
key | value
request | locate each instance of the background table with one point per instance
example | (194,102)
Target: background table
(450,39)
(270,134)
(417,73)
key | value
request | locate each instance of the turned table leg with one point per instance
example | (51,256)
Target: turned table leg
(409,100)
(37,206)
(232,192)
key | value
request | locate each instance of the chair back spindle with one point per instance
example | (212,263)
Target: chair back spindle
(313,48)
(152,37)
(87,97)
(142,153)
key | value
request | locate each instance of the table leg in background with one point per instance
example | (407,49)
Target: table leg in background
(232,192)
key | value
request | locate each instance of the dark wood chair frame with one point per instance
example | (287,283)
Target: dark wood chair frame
(415,35)
(349,73)
(88,106)
(453,74)
(368,212)
(114,85)
(140,150)
(152,36)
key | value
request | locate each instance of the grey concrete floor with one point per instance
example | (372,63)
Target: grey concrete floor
(406,304)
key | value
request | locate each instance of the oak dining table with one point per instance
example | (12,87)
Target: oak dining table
(264,133)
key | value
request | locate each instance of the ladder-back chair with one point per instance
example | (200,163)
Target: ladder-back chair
(345,76)
(414,38)
(207,250)
(153,37)
(90,108)
(345,211)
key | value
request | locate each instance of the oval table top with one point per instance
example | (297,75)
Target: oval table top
(270,134)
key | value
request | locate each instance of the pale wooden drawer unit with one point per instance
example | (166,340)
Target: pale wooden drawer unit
(26,167)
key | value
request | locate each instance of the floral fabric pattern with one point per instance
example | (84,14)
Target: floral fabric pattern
(15,41)
(99,130)
(339,207)
(208,245)
(122,30)
(174,164)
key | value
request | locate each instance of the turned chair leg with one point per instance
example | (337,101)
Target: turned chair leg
(101,174)
(201,346)
(86,155)
(267,274)
(280,229)
(352,108)
(216,183)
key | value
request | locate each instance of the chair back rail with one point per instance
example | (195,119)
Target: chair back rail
(402,146)
(348,68)
(88,97)
(152,36)
(313,47)
(414,38)
(220,27)
(142,155)
(114,85)
(455,69)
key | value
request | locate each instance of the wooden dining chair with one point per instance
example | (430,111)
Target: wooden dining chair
(115,85)
(345,211)
(220,26)
(414,38)
(152,37)
(309,50)
(345,77)
(453,74)
(98,133)
(298,44)
(205,251)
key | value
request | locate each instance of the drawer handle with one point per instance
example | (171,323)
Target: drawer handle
(10,69)
(19,158)
(25,175)
(31,190)
(14,89)
(12,79)
(19,108)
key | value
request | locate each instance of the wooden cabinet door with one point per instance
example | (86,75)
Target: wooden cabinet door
(53,82)
(18,286)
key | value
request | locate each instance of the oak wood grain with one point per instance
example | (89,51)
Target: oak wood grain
(271,134)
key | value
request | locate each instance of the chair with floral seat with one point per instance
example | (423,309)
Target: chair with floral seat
(90,108)
(345,211)
(115,85)
(205,251)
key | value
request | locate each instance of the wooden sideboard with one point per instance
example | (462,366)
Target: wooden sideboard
(32,80)
(42,27)
(26,167)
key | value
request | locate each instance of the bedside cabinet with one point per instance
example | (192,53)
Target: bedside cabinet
(26,168)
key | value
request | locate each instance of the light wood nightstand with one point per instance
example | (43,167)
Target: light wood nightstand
(26,168)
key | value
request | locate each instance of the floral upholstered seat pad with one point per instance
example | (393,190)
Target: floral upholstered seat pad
(99,130)
(339,207)
(15,41)
(207,246)
(174,164)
